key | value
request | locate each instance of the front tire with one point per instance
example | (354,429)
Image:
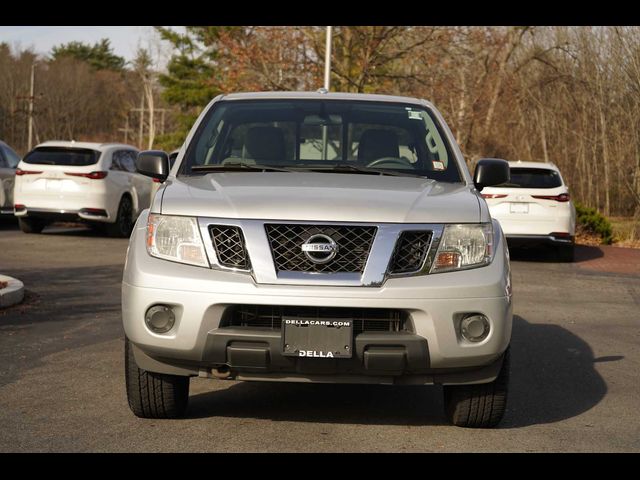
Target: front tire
(31,225)
(154,395)
(478,406)
(124,221)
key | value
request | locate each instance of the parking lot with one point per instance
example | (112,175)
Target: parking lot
(574,377)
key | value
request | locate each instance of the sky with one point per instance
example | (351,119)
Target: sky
(124,40)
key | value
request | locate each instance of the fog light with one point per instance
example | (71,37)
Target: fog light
(160,318)
(474,328)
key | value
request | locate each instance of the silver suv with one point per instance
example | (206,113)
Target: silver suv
(314,237)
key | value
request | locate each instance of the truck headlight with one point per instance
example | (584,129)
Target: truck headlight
(175,238)
(464,246)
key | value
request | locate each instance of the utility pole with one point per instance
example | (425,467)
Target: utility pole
(327,86)
(126,130)
(327,61)
(31,98)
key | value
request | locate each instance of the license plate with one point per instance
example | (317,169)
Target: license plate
(327,338)
(54,185)
(519,208)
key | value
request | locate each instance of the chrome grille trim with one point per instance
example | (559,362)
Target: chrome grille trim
(353,242)
(410,253)
(228,242)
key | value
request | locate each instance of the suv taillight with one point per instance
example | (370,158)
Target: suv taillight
(92,175)
(563,197)
(19,171)
(493,195)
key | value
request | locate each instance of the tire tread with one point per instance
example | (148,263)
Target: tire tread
(31,225)
(481,405)
(154,395)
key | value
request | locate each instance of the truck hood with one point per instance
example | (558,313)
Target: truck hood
(312,196)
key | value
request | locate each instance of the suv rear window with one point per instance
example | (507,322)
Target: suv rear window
(77,157)
(533,178)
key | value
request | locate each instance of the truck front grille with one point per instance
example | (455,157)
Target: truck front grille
(228,242)
(353,242)
(364,319)
(410,252)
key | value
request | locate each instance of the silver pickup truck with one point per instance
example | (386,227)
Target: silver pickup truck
(319,237)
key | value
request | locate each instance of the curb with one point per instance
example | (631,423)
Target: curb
(12,293)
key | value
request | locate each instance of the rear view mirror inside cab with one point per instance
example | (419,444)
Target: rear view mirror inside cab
(321,121)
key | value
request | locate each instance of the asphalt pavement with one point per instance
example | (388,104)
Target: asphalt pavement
(574,378)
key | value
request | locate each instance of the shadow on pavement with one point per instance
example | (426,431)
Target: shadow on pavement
(533,254)
(323,403)
(8,223)
(552,379)
(552,375)
(64,308)
(547,254)
(62,294)
(72,229)
(58,229)
(587,252)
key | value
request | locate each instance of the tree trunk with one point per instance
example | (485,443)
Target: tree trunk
(605,163)
(148,91)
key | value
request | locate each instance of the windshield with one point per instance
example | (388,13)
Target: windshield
(533,178)
(77,157)
(322,135)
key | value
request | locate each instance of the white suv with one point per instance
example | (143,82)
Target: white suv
(95,183)
(535,207)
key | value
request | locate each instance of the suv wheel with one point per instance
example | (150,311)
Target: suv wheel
(31,225)
(124,221)
(154,395)
(478,406)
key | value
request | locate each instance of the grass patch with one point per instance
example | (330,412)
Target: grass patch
(626,231)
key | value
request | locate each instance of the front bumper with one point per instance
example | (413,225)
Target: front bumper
(431,352)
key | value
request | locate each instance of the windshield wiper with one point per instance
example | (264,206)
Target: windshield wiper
(345,168)
(340,168)
(230,167)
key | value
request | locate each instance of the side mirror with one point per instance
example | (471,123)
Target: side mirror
(153,163)
(491,171)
